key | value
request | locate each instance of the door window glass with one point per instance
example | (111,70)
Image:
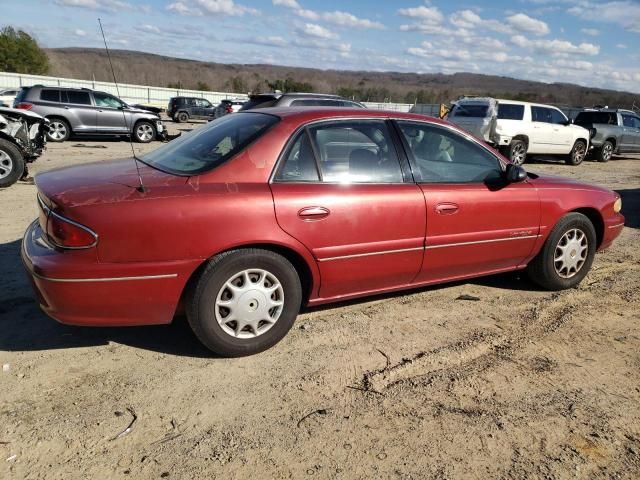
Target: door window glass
(630,121)
(300,162)
(108,101)
(80,98)
(557,117)
(441,155)
(356,151)
(541,114)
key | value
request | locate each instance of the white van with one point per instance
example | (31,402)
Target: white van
(521,128)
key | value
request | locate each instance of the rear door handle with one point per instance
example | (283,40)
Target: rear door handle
(447,208)
(313,213)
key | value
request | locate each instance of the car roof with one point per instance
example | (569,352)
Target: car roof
(306,114)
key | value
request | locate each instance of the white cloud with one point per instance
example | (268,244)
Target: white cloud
(581,65)
(104,5)
(317,31)
(527,24)
(594,32)
(287,3)
(555,47)
(337,17)
(427,15)
(465,19)
(209,7)
(621,45)
(80,33)
(625,13)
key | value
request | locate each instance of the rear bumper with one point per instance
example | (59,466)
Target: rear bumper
(74,289)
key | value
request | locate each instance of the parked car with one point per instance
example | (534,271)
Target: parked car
(80,111)
(256,214)
(614,131)
(279,99)
(519,129)
(22,141)
(147,108)
(7,95)
(182,109)
(228,106)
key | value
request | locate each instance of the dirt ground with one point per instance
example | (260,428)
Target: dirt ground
(515,383)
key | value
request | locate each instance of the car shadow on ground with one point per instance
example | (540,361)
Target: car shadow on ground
(630,207)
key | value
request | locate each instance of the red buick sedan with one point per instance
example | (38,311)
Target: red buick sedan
(245,220)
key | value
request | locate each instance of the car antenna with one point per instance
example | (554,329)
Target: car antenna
(140,187)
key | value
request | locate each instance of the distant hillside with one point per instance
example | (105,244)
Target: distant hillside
(156,70)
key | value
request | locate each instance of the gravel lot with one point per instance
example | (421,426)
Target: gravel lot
(520,383)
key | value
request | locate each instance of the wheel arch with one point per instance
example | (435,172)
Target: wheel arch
(308,280)
(523,137)
(613,140)
(596,219)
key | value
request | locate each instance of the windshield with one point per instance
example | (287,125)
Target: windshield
(209,146)
(470,110)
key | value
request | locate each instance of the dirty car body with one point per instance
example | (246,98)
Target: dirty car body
(247,219)
(26,131)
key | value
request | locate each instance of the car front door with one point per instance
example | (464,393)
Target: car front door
(630,133)
(477,223)
(562,138)
(208,110)
(342,191)
(542,135)
(110,114)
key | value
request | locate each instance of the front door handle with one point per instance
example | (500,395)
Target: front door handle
(447,208)
(313,213)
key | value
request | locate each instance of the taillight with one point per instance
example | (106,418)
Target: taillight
(24,106)
(66,233)
(229,109)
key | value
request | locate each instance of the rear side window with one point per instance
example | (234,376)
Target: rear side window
(208,147)
(510,111)
(50,95)
(79,98)
(300,162)
(470,110)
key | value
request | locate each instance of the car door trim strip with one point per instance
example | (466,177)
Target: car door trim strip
(369,254)
(493,240)
(106,279)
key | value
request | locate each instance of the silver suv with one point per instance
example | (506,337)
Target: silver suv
(80,111)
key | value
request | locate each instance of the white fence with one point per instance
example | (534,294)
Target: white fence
(156,96)
(129,93)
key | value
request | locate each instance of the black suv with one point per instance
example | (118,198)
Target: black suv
(279,99)
(181,109)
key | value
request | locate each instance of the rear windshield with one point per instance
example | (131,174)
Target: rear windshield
(509,111)
(589,118)
(209,146)
(470,110)
(259,102)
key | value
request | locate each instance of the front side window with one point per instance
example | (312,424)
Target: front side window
(441,155)
(107,101)
(208,147)
(541,114)
(79,98)
(557,117)
(630,121)
(346,152)
(510,111)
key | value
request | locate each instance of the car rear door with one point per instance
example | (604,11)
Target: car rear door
(630,132)
(342,190)
(476,222)
(81,111)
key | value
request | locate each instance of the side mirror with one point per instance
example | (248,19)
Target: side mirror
(515,173)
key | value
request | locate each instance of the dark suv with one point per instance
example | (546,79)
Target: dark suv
(82,111)
(181,109)
(279,99)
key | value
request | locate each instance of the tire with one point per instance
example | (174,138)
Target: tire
(578,153)
(182,117)
(517,152)
(12,166)
(545,271)
(605,152)
(59,130)
(144,132)
(210,301)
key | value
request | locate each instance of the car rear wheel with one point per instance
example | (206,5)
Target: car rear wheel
(182,117)
(244,301)
(605,152)
(59,130)
(578,153)
(567,255)
(144,132)
(518,152)
(11,164)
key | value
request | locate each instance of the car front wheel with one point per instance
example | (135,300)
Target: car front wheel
(567,254)
(578,153)
(244,302)
(144,132)
(11,164)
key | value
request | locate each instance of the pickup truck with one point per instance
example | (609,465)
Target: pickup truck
(613,131)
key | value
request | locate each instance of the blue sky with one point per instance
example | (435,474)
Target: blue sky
(589,42)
